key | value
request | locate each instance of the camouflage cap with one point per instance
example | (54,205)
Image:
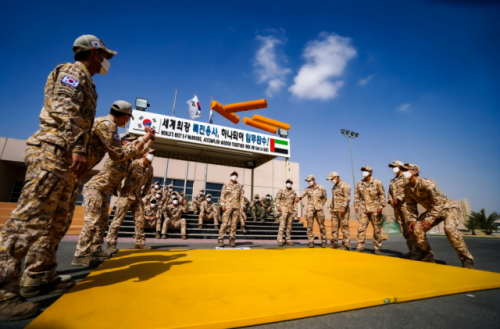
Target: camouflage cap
(175,196)
(87,42)
(367,168)
(289,180)
(256,196)
(152,201)
(208,195)
(170,186)
(151,151)
(128,137)
(234,172)
(310,178)
(396,164)
(411,166)
(332,175)
(123,107)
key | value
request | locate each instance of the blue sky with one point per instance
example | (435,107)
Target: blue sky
(419,80)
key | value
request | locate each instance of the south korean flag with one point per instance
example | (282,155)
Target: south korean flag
(70,81)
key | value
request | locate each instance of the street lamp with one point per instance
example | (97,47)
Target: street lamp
(351,134)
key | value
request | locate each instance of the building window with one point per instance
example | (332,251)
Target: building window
(16,191)
(214,189)
(179,186)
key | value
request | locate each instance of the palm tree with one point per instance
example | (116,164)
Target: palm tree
(472,224)
(486,223)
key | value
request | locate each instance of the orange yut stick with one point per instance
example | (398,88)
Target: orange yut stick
(217,107)
(271,122)
(246,106)
(259,125)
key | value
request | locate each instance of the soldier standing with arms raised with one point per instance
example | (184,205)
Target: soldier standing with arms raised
(316,195)
(232,202)
(55,156)
(369,201)
(285,201)
(339,209)
(439,208)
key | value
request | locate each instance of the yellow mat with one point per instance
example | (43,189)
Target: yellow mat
(231,288)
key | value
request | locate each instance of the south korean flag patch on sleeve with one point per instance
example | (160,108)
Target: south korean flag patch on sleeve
(70,81)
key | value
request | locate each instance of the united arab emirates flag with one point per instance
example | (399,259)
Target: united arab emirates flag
(279,146)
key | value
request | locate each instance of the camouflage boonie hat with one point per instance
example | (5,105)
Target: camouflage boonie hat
(367,168)
(123,107)
(208,195)
(396,164)
(310,178)
(128,137)
(332,175)
(411,166)
(87,42)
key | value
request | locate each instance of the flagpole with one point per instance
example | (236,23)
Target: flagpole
(175,100)
(211,111)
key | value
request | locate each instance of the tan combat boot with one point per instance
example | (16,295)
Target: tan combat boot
(262,220)
(311,245)
(280,244)
(112,248)
(17,308)
(164,236)
(376,252)
(184,237)
(220,243)
(324,245)
(342,247)
(289,243)
(200,226)
(428,258)
(101,255)
(142,246)
(216,226)
(157,235)
(466,263)
(85,261)
(277,220)
(407,255)
(334,245)
(55,287)
(231,243)
(243,229)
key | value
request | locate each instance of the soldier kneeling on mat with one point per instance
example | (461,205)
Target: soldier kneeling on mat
(172,214)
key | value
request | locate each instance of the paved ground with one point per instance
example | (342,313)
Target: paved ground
(471,310)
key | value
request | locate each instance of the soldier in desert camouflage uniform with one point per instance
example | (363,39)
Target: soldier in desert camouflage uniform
(208,210)
(55,156)
(339,209)
(172,214)
(96,205)
(369,200)
(396,198)
(316,195)
(197,200)
(438,209)
(269,209)
(232,202)
(285,201)
(156,196)
(139,175)
(258,210)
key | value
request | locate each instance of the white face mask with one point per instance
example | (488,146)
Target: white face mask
(334,181)
(395,170)
(288,185)
(268,197)
(407,174)
(201,193)
(105,65)
(175,201)
(157,187)
(150,157)
(158,195)
(170,189)
(366,174)
(234,178)
(209,199)
(311,183)
(153,205)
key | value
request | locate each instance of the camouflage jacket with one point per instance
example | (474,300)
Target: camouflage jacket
(199,199)
(341,196)
(246,208)
(267,203)
(208,207)
(427,194)
(285,200)
(369,196)
(159,202)
(104,139)
(397,190)
(232,196)
(316,197)
(150,213)
(137,176)
(68,109)
(174,212)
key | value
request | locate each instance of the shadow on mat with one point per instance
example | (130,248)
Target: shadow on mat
(142,267)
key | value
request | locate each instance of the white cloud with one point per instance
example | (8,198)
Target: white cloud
(364,81)
(267,67)
(326,58)
(405,108)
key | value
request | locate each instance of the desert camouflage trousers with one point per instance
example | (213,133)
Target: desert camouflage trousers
(341,222)
(285,227)
(155,223)
(229,218)
(209,215)
(411,241)
(96,218)
(451,219)
(320,219)
(123,204)
(169,223)
(196,206)
(46,194)
(257,212)
(273,213)
(364,219)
